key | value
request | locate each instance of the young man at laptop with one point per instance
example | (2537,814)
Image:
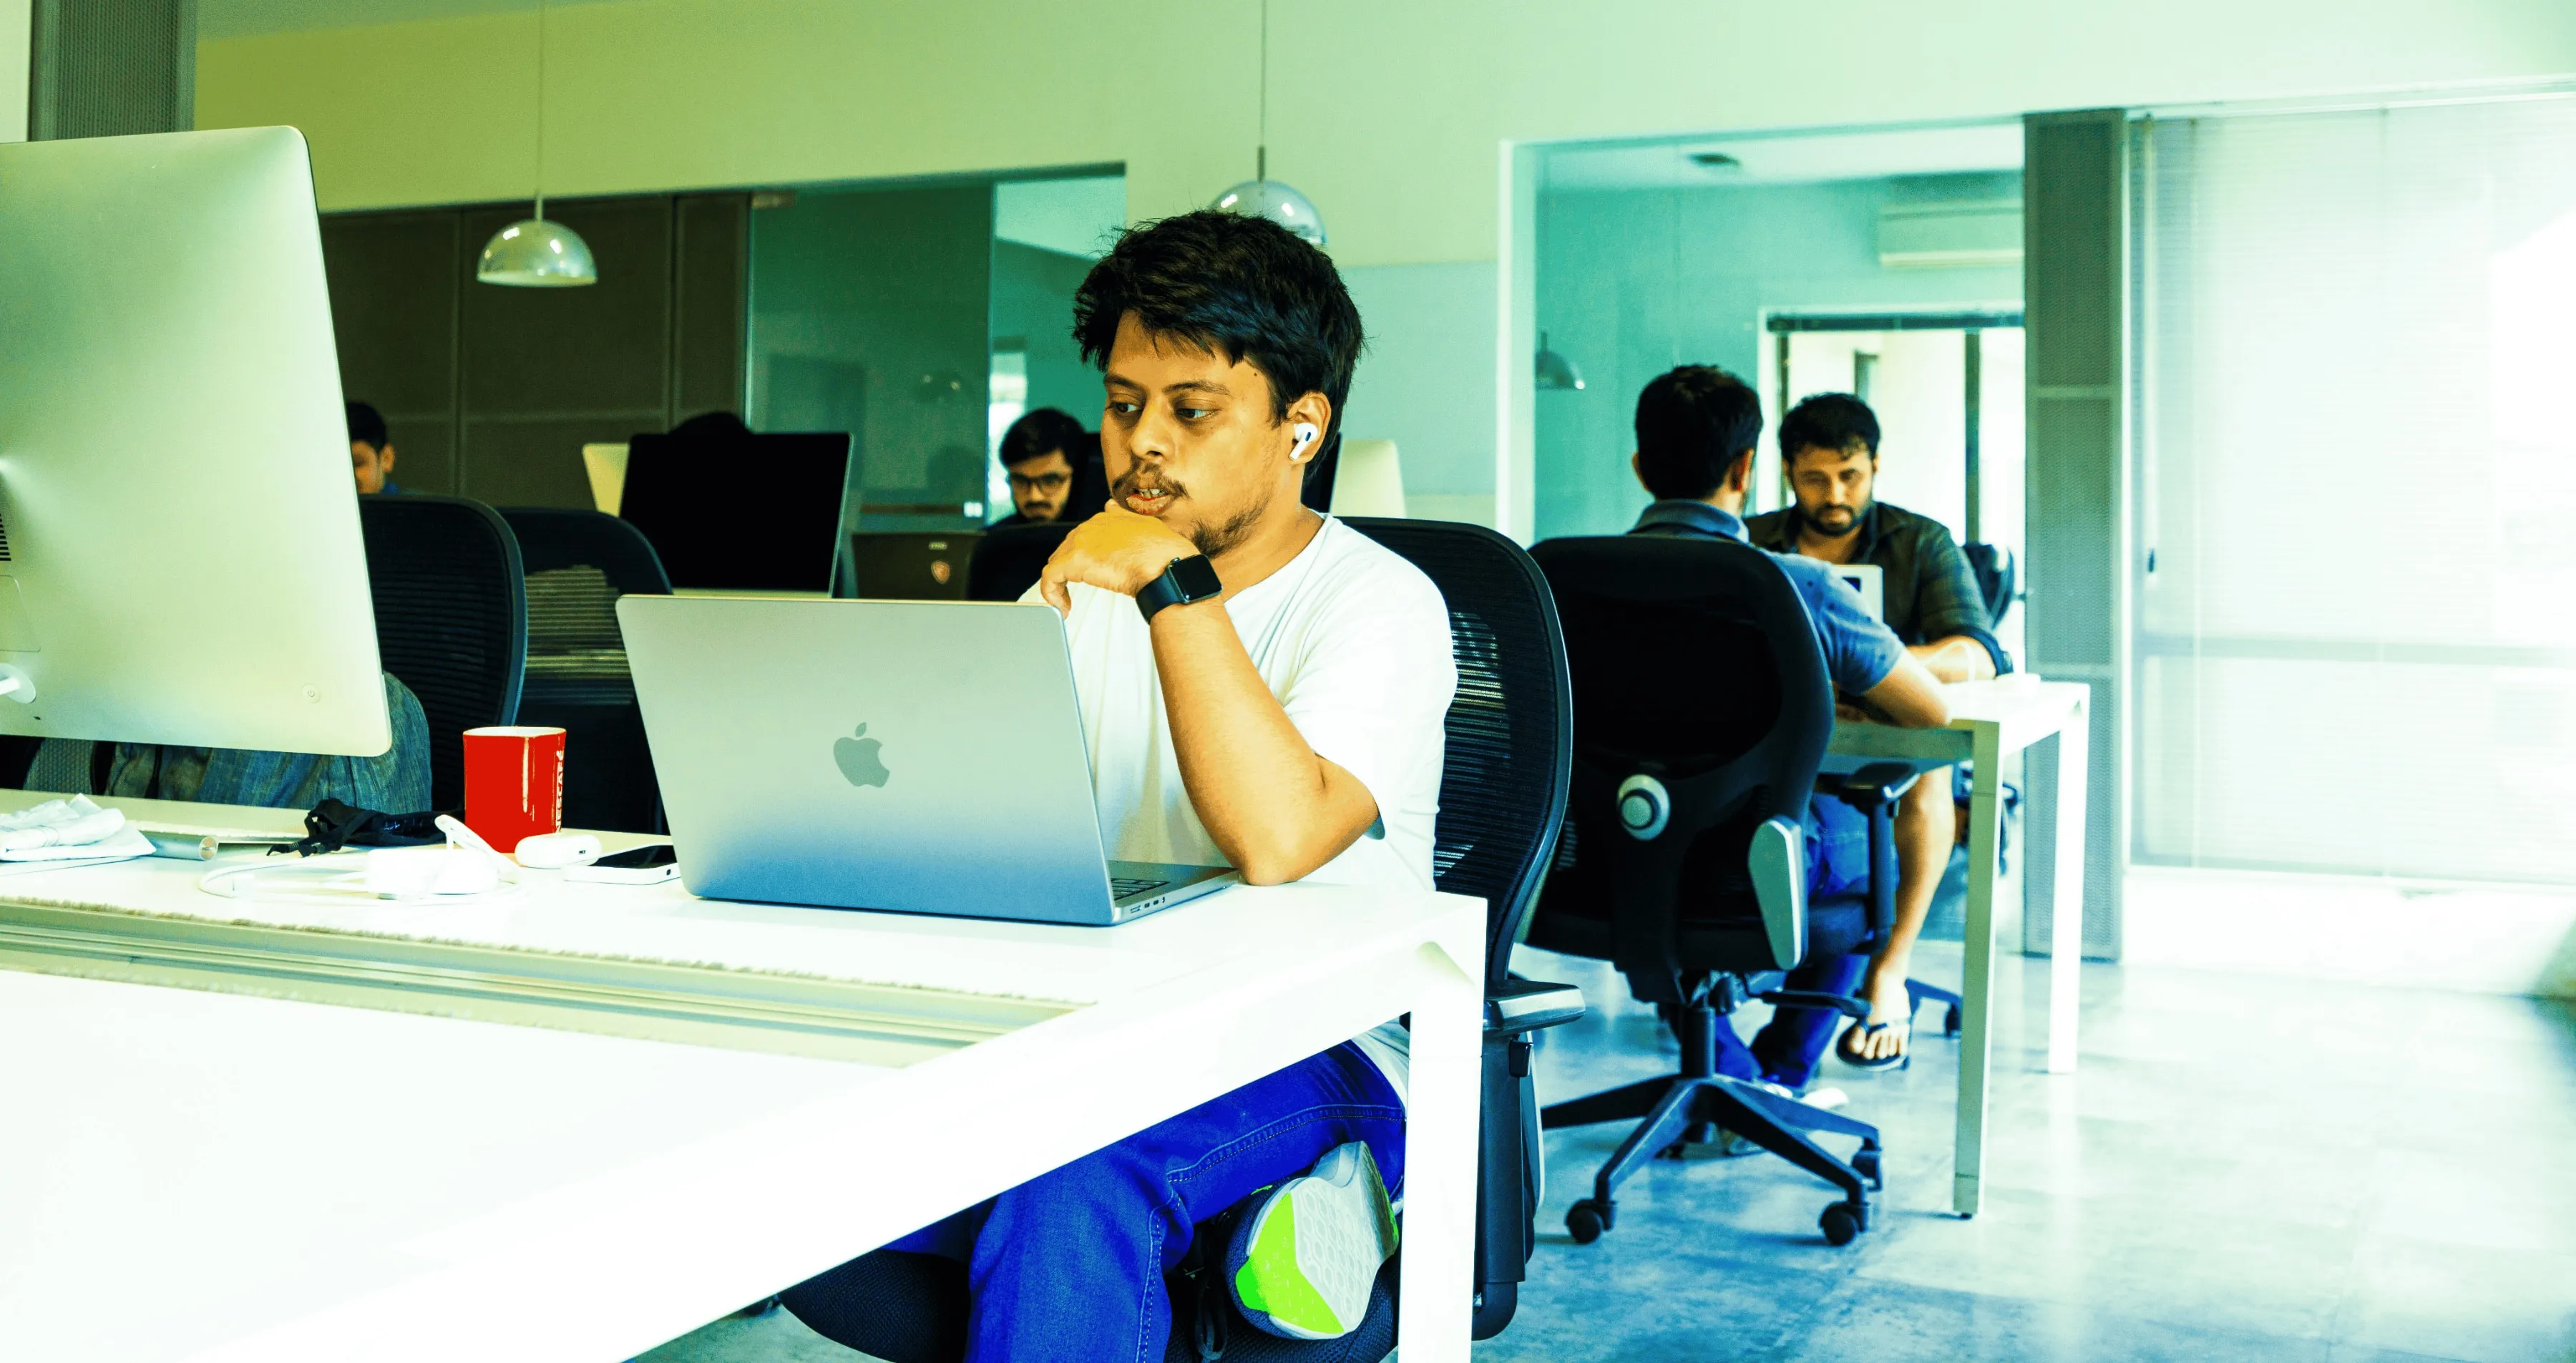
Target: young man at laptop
(1696,429)
(1261,687)
(1829,450)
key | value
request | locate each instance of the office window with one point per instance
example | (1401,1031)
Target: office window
(2356,619)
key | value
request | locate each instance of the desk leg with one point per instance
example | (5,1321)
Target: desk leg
(1976,986)
(2066,897)
(1439,1266)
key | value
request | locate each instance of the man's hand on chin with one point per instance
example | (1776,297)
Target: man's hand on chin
(1117,551)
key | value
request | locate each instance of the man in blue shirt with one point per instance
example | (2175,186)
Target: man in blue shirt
(1696,428)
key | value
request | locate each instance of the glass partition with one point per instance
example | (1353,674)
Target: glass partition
(922,319)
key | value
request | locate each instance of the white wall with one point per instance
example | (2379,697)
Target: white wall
(16,17)
(1427,381)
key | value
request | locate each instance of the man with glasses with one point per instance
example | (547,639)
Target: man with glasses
(1041,452)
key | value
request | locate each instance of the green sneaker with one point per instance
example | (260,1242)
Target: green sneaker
(1303,1263)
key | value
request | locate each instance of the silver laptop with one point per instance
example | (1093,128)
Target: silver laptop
(919,756)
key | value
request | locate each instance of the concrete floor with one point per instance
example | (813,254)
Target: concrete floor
(2241,1168)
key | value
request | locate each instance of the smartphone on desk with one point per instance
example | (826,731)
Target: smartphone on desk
(655,861)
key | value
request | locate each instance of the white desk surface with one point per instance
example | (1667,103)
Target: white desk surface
(195,1174)
(2023,707)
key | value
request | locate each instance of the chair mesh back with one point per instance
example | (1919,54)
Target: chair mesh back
(1503,778)
(451,619)
(575,654)
(1009,558)
(1695,662)
(579,563)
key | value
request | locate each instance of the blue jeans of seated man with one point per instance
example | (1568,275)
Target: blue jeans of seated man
(1786,1050)
(1070,1264)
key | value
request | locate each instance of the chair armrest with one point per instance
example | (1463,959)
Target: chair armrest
(1529,1005)
(1845,1004)
(1778,861)
(1876,784)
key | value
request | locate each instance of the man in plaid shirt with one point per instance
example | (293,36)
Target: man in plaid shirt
(1829,448)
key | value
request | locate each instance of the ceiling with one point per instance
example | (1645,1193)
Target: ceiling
(1785,158)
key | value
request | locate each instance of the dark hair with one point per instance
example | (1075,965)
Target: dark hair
(712,426)
(366,426)
(1693,423)
(1828,421)
(1041,433)
(1244,288)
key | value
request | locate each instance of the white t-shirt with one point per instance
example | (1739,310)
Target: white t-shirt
(1354,641)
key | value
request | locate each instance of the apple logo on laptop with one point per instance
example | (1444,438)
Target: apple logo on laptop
(857,756)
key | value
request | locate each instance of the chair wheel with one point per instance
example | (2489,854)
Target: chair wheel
(1840,1224)
(1950,1020)
(1585,1222)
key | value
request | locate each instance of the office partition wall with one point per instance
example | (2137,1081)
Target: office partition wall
(2356,629)
(491,392)
(106,68)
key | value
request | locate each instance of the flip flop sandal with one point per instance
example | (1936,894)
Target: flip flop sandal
(1844,1051)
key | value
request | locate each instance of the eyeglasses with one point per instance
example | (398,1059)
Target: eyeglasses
(1045,482)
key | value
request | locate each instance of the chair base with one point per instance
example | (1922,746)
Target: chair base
(1917,994)
(1689,1107)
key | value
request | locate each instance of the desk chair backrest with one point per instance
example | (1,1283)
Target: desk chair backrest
(1504,772)
(577,564)
(1699,687)
(1009,558)
(1992,566)
(451,619)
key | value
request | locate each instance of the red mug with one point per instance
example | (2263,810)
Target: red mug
(513,783)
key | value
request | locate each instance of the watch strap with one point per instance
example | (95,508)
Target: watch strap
(1181,582)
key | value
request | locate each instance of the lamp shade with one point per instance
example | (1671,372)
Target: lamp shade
(1277,202)
(535,253)
(1555,372)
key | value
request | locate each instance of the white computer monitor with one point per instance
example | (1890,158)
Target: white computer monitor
(182,561)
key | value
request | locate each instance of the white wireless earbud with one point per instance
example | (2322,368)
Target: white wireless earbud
(1306,434)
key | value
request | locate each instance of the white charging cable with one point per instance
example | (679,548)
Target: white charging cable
(464,871)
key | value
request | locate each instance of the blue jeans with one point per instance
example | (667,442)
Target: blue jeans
(1786,1050)
(1070,1264)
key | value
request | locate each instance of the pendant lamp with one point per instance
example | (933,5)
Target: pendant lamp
(1555,371)
(533,253)
(1261,196)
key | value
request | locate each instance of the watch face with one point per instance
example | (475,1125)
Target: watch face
(1196,578)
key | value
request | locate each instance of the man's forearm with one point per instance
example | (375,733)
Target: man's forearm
(1955,659)
(1275,808)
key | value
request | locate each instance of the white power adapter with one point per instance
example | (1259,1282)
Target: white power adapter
(555,851)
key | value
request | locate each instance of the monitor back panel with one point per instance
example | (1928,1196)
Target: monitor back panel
(915,756)
(182,560)
(907,566)
(745,513)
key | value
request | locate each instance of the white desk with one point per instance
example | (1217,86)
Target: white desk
(203,1173)
(1988,720)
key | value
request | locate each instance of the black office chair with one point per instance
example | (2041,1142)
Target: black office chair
(1502,797)
(1992,566)
(1009,558)
(577,564)
(451,619)
(1702,710)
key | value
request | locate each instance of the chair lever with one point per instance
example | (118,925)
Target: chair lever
(1845,1004)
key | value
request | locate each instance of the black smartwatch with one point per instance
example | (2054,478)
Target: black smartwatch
(1186,580)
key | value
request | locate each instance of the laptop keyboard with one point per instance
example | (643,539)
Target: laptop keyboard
(1124,887)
